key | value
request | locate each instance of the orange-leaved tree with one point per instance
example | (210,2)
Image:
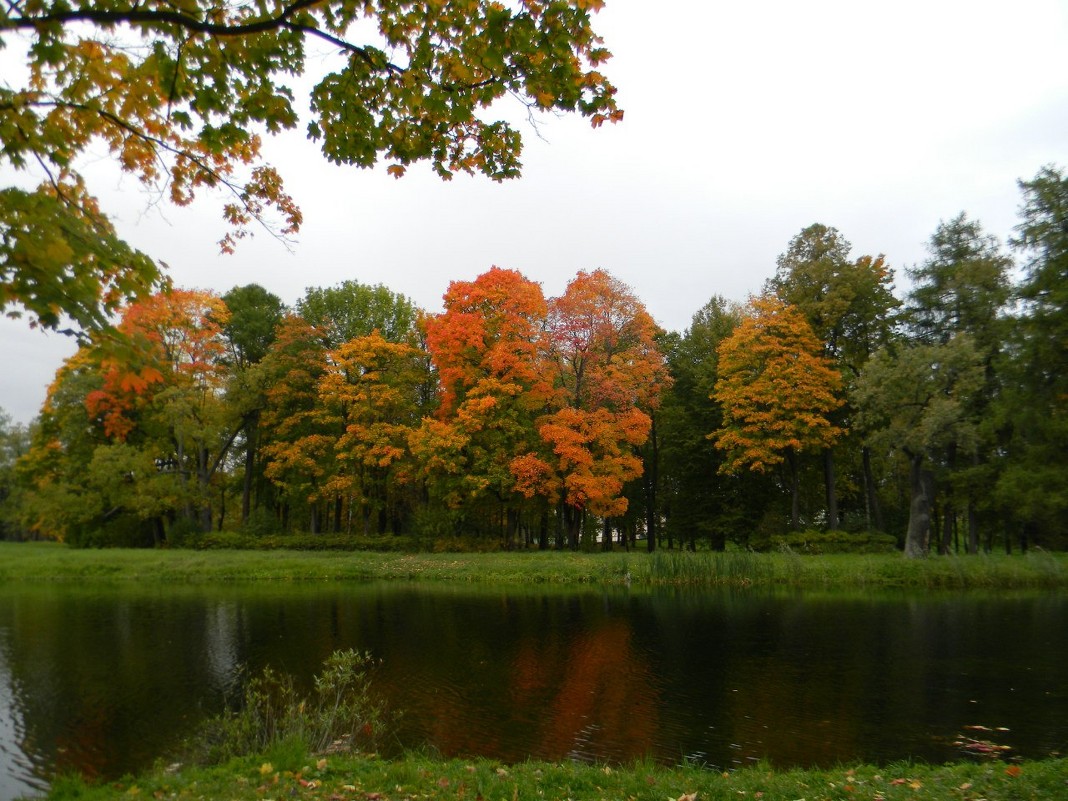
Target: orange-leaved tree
(488,348)
(162,388)
(777,390)
(609,373)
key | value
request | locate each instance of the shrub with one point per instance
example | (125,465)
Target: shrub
(232,540)
(342,713)
(260,523)
(820,542)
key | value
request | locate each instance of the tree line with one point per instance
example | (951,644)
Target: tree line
(825,409)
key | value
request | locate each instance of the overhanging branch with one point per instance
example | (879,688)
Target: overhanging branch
(135,16)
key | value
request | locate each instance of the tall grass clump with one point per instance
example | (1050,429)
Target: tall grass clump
(342,713)
(738,568)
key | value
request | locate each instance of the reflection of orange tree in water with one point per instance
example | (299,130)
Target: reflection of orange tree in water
(596,693)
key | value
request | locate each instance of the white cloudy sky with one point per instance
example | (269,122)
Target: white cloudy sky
(745,122)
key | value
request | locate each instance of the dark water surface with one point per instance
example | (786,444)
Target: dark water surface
(104,679)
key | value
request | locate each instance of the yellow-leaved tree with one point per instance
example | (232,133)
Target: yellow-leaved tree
(777,390)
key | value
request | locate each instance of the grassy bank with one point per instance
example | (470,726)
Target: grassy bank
(51,562)
(333,778)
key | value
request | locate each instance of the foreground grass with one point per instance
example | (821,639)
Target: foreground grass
(419,777)
(52,562)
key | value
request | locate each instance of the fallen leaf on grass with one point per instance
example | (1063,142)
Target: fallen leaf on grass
(1013,771)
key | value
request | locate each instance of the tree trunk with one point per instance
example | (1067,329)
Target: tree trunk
(921,485)
(875,511)
(203,481)
(973,518)
(512,516)
(949,517)
(795,490)
(573,520)
(251,430)
(973,528)
(832,494)
(606,535)
(543,532)
(651,477)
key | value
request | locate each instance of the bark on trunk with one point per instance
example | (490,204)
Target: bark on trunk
(949,519)
(832,494)
(251,428)
(651,477)
(922,485)
(875,511)
(795,491)
(973,528)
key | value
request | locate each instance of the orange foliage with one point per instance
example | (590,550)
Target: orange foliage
(169,339)
(489,339)
(776,389)
(611,373)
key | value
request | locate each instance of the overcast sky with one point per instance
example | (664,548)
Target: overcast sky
(745,122)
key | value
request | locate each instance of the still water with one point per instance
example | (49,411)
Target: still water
(103,680)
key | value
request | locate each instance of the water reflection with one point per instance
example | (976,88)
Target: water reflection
(104,679)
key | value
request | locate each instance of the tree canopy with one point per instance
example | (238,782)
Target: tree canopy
(510,419)
(182,95)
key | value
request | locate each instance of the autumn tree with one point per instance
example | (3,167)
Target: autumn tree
(777,391)
(164,380)
(181,97)
(487,346)
(609,372)
(77,485)
(372,388)
(297,445)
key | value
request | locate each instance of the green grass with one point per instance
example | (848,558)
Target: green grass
(285,774)
(52,562)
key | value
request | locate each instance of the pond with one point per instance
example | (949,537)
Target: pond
(104,679)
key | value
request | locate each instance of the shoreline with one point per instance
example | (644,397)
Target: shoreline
(281,773)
